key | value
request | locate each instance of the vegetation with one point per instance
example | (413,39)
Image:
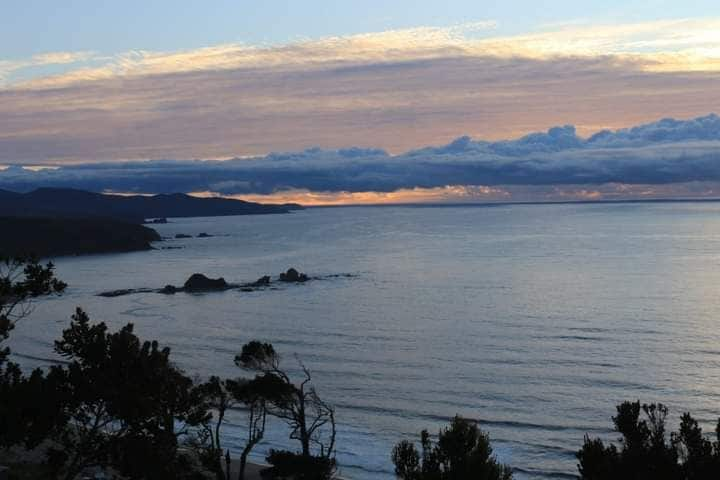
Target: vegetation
(462,452)
(125,403)
(25,413)
(646,452)
(255,396)
(311,420)
(72,236)
(21,280)
(119,404)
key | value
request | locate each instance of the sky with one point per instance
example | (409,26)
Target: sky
(371,102)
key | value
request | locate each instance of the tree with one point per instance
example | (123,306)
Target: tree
(646,453)
(311,420)
(21,280)
(126,403)
(255,395)
(406,459)
(31,407)
(28,405)
(218,396)
(700,458)
(461,452)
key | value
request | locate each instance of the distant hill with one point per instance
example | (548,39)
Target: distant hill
(46,237)
(56,202)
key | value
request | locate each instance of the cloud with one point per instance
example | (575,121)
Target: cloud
(9,68)
(672,45)
(392,45)
(396,90)
(661,153)
(557,139)
(447,194)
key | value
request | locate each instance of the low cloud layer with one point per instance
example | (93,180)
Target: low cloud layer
(662,153)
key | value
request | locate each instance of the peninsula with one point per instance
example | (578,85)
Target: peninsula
(65,203)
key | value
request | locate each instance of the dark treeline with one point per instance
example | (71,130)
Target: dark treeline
(647,452)
(119,405)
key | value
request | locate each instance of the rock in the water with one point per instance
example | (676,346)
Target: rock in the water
(204,235)
(293,275)
(169,290)
(199,282)
(183,235)
(262,281)
(157,221)
(117,293)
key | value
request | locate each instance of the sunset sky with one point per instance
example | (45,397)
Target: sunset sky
(360,91)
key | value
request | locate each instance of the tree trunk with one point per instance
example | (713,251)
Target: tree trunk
(304,438)
(243,462)
(216,443)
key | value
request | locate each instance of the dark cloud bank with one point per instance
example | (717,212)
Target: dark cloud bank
(664,152)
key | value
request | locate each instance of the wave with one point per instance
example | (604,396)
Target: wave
(52,361)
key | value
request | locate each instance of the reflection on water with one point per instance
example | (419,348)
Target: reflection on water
(535,320)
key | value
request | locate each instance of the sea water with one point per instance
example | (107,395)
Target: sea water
(534,320)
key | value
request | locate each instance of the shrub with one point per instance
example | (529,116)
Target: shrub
(461,452)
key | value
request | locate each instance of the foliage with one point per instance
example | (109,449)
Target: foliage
(22,279)
(311,420)
(28,405)
(218,397)
(461,452)
(645,451)
(31,407)
(124,398)
(255,395)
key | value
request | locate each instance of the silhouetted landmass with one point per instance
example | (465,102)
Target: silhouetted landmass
(72,236)
(56,202)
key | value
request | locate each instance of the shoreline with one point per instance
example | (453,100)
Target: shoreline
(253,469)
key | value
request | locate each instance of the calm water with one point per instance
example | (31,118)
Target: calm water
(534,320)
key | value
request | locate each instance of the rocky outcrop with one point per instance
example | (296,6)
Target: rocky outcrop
(124,291)
(200,283)
(183,235)
(169,290)
(203,235)
(293,276)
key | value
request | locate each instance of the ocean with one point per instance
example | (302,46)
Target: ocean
(534,320)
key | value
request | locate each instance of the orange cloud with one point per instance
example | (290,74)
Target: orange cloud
(483,194)
(403,196)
